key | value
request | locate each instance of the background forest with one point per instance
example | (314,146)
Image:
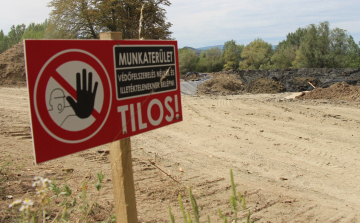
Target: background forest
(314,46)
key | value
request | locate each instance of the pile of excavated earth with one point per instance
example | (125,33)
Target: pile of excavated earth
(12,66)
(334,83)
(337,84)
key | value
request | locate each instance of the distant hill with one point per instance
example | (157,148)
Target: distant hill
(221,47)
(209,47)
(198,50)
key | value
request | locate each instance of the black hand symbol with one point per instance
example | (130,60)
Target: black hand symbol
(85,97)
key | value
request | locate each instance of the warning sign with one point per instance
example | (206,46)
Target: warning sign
(75,100)
(85,93)
(142,70)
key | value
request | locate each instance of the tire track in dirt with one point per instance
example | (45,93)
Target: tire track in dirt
(247,140)
(295,161)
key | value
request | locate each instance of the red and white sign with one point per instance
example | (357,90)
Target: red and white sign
(85,93)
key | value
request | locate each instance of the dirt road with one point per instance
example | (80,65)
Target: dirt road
(295,161)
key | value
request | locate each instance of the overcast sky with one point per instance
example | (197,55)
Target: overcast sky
(200,23)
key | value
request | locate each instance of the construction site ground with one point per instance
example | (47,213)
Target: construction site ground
(295,157)
(294,160)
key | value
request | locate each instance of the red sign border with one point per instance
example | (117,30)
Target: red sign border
(38,52)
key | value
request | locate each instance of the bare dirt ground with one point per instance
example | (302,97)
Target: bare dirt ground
(294,160)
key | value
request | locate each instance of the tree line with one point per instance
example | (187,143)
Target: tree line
(315,46)
(20,32)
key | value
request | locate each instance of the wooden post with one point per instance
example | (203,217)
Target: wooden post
(121,169)
(312,85)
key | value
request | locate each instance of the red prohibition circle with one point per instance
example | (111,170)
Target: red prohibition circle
(48,71)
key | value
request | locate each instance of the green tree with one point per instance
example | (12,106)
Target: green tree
(15,34)
(231,54)
(35,31)
(353,54)
(322,47)
(20,32)
(294,39)
(255,54)
(13,37)
(314,48)
(210,60)
(202,64)
(284,56)
(285,51)
(3,41)
(344,52)
(230,59)
(214,59)
(87,18)
(187,60)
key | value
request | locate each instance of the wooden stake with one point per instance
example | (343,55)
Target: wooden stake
(123,181)
(312,85)
(121,169)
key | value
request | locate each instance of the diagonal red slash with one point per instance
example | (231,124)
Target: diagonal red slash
(58,78)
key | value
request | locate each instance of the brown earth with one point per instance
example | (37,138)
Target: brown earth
(265,85)
(294,160)
(222,84)
(228,83)
(338,91)
(12,66)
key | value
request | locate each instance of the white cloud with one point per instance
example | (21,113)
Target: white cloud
(199,23)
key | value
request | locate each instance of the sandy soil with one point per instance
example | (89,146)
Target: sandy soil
(295,160)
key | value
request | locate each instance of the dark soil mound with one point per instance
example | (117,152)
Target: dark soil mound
(222,84)
(298,84)
(338,91)
(12,66)
(323,77)
(266,85)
